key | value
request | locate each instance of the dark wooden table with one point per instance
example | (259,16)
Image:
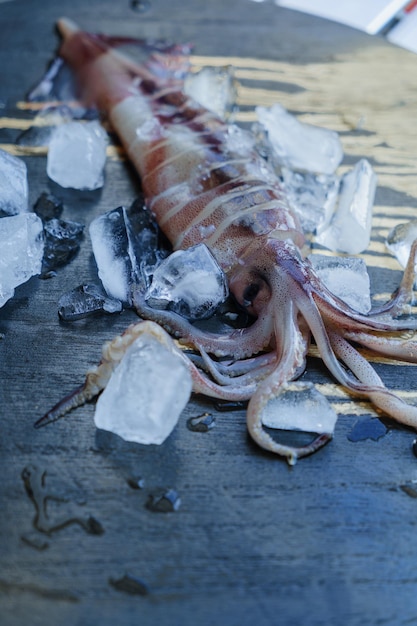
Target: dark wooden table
(332,540)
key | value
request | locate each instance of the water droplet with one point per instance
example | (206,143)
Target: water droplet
(164,502)
(140,6)
(415,447)
(368,428)
(136,482)
(201,423)
(130,584)
(93,526)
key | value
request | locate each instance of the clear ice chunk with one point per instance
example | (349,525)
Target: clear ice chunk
(400,240)
(350,227)
(298,145)
(13,185)
(146,393)
(311,196)
(189,282)
(77,155)
(62,242)
(214,88)
(124,246)
(346,277)
(299,406)
(84,301)
(21,251)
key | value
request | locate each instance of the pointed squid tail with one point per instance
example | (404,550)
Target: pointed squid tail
(75,399)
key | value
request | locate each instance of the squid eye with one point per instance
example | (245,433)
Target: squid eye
(250,293)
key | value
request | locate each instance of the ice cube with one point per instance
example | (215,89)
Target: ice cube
(21,251)
(298,145)
(77,154)
(400,239)
(311,196)
(214,88)
(13,184)
(84,301)
(62,242)
(189,282)
(299,406)
(346,277)
(146,393)
(124,245)
(350,227)
(111,249)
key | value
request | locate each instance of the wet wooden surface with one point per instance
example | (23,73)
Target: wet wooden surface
(332,540)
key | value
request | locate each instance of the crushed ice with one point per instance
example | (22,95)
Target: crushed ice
(299,406)
(337,209)
(146,393)
(350,227)
(86,300)
(62,242)
(312,197)
(298,145)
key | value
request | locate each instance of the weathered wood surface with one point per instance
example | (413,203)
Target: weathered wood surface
(331,541)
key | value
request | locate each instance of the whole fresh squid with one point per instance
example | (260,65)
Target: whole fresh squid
(205,184)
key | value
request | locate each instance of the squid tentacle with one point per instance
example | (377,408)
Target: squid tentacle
(400,301)
(233,368)
(332,346)
(403,348)
(291,344)
(254,374)
(373,386)
(239,343)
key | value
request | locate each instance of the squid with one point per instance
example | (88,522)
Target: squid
(205,184)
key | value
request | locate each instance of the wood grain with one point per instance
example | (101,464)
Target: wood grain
(331,541)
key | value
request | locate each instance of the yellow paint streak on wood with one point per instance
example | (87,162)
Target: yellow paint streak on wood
(113,152)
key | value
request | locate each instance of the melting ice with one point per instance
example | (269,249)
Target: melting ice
(146,394)
(124,245)
(77,154)
(62,242)
(298,145)
(21,251)
(350,227)
(299,406)
(13,184)
(189,282)
(84,301)
(346,277)
(312,197)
